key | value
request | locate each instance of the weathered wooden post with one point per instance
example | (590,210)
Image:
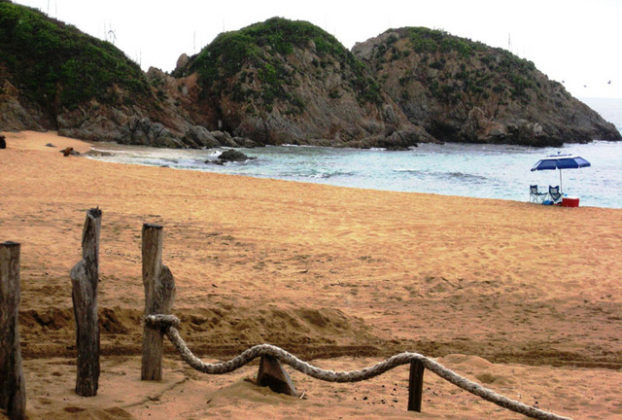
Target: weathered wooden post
(12,385)
(415,385)
(159,296)
(84,278)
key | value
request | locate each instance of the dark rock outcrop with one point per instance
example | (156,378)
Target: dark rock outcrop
(284,81)
(464,91)
(230,155)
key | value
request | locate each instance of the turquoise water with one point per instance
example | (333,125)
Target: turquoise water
(487,171)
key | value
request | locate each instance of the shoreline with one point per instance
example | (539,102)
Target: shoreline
(429,169)
(311,267)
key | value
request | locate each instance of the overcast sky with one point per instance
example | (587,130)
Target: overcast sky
(574,42)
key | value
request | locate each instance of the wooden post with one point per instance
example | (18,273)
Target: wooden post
(415,385)
(84,278)
(272,374)
(12,385)
(159,296)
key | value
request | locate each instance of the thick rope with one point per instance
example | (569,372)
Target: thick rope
(167,322)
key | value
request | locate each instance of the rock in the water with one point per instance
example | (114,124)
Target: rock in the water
(230,155)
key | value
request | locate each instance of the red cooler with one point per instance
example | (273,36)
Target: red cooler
(570,202)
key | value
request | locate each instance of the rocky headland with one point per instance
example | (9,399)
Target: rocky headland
(465,91)
(283,81)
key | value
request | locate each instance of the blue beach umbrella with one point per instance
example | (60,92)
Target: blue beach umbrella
(560,162)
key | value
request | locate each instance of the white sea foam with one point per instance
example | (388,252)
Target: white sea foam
(490,171)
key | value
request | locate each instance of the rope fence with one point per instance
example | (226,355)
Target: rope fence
(168,325)
(158,322)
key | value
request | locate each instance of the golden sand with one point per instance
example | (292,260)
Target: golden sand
(501,291)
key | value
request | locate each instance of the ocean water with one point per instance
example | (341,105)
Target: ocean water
(487,171)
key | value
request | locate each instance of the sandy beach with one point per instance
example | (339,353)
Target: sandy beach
(524,299)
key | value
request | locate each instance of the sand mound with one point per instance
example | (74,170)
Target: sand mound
(247,390)
(461,360)
(478,369)
(219,328)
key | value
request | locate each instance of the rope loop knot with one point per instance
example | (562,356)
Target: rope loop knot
(162,322)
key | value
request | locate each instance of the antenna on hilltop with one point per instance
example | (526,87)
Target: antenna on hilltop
(109,34)
(112,36)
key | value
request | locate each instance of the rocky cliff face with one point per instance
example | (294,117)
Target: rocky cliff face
(290,82)
(282,81)
(459,90)
(53,76)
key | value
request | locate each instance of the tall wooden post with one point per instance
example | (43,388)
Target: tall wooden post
(159,296)
(415,385)
(12,385)
(84,278)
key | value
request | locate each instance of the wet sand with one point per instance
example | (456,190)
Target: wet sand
(530,293)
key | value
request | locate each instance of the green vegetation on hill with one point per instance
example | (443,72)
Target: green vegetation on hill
(55,65)
(461,66)
(431,40)
(264,47)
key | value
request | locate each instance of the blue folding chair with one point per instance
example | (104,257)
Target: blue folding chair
(555,194)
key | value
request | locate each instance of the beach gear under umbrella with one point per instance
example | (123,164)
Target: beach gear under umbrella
(560,162)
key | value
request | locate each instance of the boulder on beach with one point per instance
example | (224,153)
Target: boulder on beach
(2,142)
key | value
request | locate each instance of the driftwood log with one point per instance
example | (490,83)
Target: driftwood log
(159,296)
(84,278)
(12,385)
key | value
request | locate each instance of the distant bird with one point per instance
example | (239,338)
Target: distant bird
(609,82)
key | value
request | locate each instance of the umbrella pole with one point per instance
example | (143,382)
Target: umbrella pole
(560,181)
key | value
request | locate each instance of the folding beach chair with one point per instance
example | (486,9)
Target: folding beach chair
(535,196)
(555,194)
